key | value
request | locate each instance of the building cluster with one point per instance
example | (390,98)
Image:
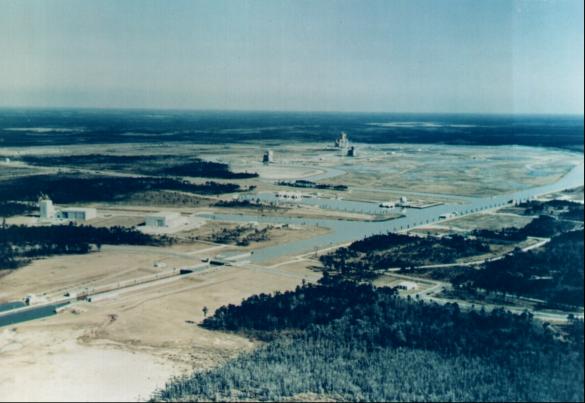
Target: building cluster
(289,195)
(342,142)
(402,202)
(48,211)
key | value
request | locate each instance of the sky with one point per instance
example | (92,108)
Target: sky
(448,56)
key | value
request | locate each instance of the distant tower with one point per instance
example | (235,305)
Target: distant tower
(268,157)
(47,210)
(352,152)
(342,141)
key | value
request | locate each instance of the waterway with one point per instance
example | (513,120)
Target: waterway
(29,314)
(342,231)
(11,305)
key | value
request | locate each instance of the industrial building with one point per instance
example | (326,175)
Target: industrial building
(408,285)
(163,219)
(77,213)
(342,141)
(46,208)
(389,204)
(289,195)
(268,157)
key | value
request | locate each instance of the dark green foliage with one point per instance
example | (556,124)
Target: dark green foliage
(553,273)
(245,203)
(564,209)
(19,244)
(312,185)
(543,226)
(546,226)
(9,209)
(102,160)
(209,127)
(207,169)
(70,189)
(241,235)
(147,164)
(511,234)
(353,342)
(365,258)
(291,310)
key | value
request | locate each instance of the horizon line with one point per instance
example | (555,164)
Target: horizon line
(242,110)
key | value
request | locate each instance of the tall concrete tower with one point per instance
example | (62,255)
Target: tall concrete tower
(46,208)
(342,141)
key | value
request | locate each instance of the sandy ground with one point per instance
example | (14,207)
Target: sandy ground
(123,348)
(63,370)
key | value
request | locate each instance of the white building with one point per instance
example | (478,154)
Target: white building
(342,141)
(408,285)
(77,213)
(163,219)
(387,204)
(289,195)
(46,208)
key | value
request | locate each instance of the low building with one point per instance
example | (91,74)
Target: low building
(387,204)
(78,213)
(163,219)
(289,195)
(408,285)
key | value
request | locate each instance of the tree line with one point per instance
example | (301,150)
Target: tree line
(20,244)
(553,273)
(352,342)
(365,258)
(75,188)
(207,169)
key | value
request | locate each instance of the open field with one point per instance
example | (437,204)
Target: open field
(434,170)
(151,330)
(491,221)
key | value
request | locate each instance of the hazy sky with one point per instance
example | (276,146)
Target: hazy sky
(363,55)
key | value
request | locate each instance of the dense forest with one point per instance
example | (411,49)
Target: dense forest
(242,235)
(301,183)
(353,342)
(206,127)
(564,209)
(98,160)
(9,209)
(367,257)
(245,203)
(543,226)
(553,273)
(79,188)
(20,244)
(147,164)
(207,169)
